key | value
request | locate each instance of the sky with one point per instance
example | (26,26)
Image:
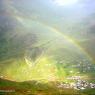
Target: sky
(63,18)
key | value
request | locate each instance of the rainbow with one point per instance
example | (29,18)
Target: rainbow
(24,21)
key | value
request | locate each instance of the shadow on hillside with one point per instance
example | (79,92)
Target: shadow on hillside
(37,88)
